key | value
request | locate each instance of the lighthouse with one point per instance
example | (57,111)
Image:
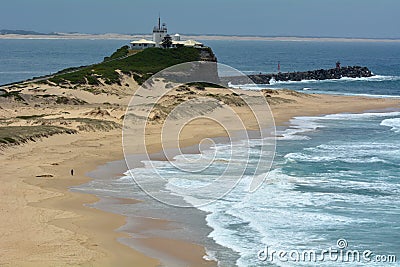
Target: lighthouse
(161,38)
(159,32)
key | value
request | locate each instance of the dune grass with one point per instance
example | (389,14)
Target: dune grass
(14,135)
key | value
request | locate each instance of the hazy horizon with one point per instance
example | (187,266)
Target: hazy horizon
(308,18)
(215,34)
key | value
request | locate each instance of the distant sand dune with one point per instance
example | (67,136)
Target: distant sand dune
(116,36)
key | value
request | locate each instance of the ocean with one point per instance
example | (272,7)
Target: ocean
(335,180)
(28,58)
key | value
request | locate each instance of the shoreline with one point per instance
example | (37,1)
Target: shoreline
(144,246)
(202,37)
(71,227)
(63,228)
(172,249)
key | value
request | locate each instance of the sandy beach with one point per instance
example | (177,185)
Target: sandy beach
(44,223)
(207,134)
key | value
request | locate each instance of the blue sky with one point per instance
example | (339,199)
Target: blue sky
(338,18)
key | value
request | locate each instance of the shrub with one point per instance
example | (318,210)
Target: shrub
(141,65)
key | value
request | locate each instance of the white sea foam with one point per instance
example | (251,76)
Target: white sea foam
(275,84)
(355,116)
(394,123)
(246,222)
(298,127)
(338,157)
(301,125)
(357,152)
(265,213)
(307,123)
(210,256)
(376,78)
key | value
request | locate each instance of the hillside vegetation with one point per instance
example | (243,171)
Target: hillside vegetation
(140,65)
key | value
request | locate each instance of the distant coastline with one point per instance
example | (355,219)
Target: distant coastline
(116,36)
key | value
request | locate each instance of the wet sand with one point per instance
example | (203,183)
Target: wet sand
(44,223)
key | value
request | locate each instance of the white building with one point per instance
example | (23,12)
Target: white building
(190,43)
(159,33)
(176,37)
(142,44)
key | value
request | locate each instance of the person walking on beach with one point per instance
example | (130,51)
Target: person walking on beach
(72,172)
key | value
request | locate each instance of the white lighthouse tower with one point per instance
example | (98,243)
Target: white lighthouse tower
(159,32)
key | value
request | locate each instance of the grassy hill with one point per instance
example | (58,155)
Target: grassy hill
(140,65)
